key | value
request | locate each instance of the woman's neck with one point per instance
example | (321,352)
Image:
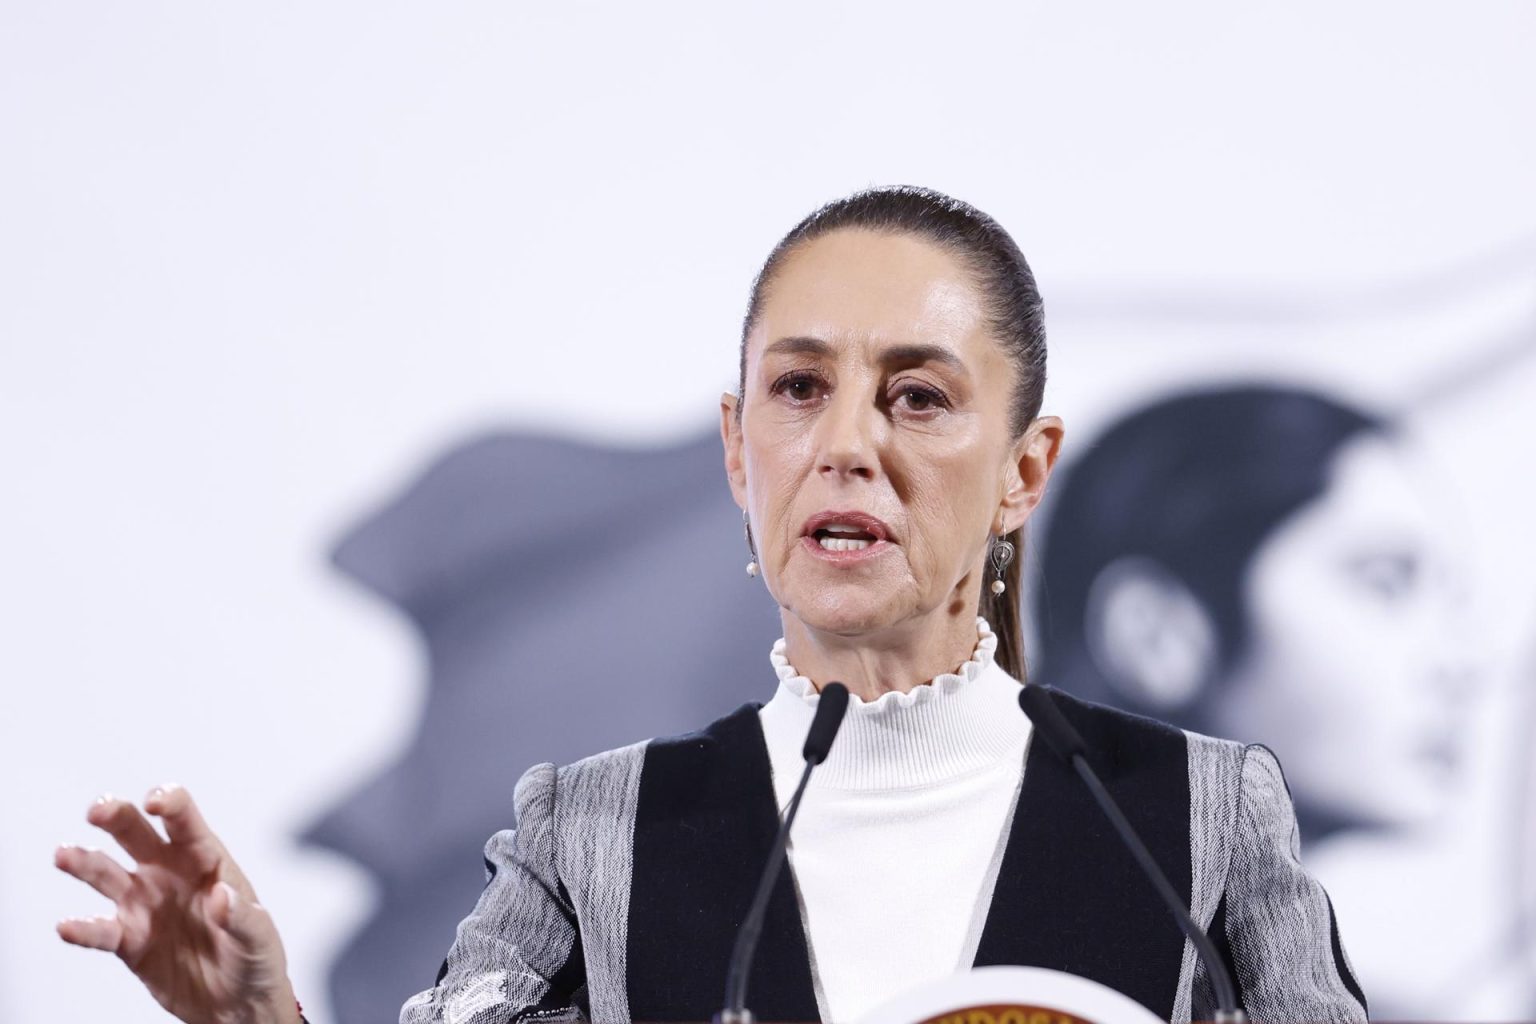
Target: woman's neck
(900,658)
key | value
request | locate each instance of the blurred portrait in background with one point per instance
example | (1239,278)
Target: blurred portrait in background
(356,358)
(1267,563)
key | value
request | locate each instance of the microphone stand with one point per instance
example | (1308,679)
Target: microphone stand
(1067,743)
(818,743)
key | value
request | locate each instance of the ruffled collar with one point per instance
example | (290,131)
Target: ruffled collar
(956,724)
(981,657)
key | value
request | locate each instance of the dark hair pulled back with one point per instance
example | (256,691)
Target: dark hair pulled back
(1013,306)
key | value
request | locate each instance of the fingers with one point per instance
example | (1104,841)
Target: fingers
(95,869)
(223,905)
(184,823)
(104,933)
(248,922)
(123,822)
(107,877)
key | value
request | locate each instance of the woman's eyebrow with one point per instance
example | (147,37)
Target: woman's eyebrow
(911,355)
(799,346)
(905,355)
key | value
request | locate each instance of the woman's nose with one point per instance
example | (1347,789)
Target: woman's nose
(850,431)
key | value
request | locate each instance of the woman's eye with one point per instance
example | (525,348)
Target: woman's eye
(799,387)
(921,399)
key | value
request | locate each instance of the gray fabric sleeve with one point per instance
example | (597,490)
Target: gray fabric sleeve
(1280,928)
(1215,787)
(595,846)
(508,958)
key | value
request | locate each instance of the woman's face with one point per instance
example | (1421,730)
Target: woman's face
(873,454)
(1350,674)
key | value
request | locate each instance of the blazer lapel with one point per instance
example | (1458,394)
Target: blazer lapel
(1069,896)
(705,822)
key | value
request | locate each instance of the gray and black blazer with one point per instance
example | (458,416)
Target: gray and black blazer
(618,896)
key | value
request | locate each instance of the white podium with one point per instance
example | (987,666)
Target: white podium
(1012,995)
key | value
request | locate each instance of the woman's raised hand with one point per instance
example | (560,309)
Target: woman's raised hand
(187,921)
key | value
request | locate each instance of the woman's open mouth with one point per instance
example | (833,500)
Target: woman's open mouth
(844,536)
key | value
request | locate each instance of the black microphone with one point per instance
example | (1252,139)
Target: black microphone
(1066,743)
(818,743)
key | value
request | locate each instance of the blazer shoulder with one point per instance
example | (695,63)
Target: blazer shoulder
(606,772)
(1115,728)
(1124,742)
(609,781)
(1087,714)
(724,731)
(542,786)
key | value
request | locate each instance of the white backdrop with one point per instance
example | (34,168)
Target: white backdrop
(259,261)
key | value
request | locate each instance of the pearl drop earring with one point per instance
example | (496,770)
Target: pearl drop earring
(746,526)
(1001,557)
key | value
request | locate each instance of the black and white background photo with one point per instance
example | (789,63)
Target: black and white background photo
(360,366)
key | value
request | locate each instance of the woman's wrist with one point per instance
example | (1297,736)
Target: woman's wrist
(281,1008)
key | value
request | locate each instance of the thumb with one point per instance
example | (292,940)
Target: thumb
(248,923)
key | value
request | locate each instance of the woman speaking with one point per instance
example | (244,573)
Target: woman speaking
(886,447)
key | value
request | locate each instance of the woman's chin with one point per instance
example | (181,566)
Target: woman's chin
(846,611)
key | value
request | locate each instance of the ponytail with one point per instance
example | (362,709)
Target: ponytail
(1003,614)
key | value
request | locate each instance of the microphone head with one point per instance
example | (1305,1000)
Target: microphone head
(829,715)
(1051,724)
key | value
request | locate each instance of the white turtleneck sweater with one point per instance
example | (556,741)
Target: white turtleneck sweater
(902,829)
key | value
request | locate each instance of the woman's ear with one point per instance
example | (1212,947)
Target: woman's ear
(730,436)
(1029,468)
(1151,639)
